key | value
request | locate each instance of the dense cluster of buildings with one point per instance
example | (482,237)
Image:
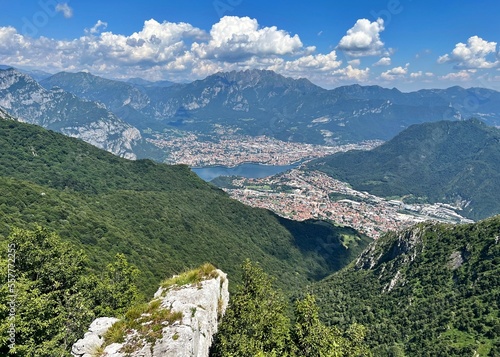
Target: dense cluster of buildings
(233,150)
(300,195)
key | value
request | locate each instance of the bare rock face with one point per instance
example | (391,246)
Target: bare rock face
(197,307)
(24,98)
(93,339)
(388,257)
(201,308)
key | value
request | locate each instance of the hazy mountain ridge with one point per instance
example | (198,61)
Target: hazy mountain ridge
(264,102)
(142,83)
(24,98)
(113,94)
(432,289)
(450,162)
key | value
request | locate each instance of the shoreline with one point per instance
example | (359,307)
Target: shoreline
(299,162)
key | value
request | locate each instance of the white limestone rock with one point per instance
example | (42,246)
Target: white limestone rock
(101,325)
(201,305)
(92,340)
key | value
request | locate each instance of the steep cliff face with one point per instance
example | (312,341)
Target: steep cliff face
(24,98)
(180,321)
(5,115)
(389,258)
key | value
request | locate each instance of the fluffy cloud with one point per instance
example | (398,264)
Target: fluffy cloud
(65,9)
(350,73)
(10,40)
(363,39)
(318,62)
(384,61)
(395,73)
(181,52)
(421,74)
(235,39)
(464,75)
(157,44)
(474,54)
(96,28)
(176,51)
(354,62)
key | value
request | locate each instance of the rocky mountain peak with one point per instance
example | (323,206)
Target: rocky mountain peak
(260,78)
(10,77)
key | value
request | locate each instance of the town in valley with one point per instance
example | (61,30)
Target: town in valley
(298,194)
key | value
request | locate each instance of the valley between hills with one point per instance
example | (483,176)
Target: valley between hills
(235,178)
(386,245)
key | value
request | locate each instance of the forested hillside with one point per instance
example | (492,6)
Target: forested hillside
(163,218)
(451,162)
(432,290)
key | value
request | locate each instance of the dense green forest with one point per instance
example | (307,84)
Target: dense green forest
(163,218)
(452,162)
(432,290)
(261,322)
(49,294)
(151,220)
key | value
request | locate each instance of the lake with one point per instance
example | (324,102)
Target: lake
(245,170)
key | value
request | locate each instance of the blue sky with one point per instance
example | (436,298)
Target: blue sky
(408,44)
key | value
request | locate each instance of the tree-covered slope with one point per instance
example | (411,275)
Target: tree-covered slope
(454,162)
(164,218)
(431,290)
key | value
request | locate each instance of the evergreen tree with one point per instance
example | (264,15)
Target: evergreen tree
(256,325)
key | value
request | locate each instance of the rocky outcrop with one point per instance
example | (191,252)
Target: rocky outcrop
(389,257)
(401,249)
(191,314)
(5,115)
(25,99)
(93,339)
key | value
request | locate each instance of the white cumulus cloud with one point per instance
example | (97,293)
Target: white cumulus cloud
(463,75)
(475,54)
(182,52)
(235,39)
(355,62)
(317,62)
(65,9)
(395,73)
(350,73)
(421,74)
(97,27)
(363,39)
(384,61)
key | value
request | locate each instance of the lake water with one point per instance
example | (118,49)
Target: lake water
(244,170)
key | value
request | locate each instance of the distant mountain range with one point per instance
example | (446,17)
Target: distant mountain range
(114,115)
(142,83)
(453,162)
(263,102)
(37,75)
